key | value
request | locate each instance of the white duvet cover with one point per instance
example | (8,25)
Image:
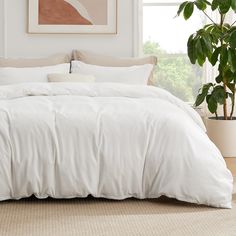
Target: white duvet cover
(115,141)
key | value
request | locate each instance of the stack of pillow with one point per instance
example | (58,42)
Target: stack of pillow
(81,67)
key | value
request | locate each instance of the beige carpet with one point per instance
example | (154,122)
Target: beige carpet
(102,217)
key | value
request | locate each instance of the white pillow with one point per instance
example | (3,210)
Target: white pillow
(11,75)
(127,75)
(71,78)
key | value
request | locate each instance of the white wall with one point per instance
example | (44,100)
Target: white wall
(1,28)
(18,43)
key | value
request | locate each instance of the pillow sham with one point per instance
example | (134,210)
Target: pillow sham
(71,78)
(11,75)
(102,60)
(127,75)
(35,62)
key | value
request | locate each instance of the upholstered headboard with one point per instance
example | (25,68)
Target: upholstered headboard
(35,62)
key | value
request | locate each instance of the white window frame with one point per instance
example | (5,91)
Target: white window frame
(208,72)
(138,23)
(137,27)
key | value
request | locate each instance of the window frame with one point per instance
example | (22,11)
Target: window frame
(208,72)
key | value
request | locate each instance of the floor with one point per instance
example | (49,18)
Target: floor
(107,218)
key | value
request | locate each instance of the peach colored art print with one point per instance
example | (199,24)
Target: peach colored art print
(72,16)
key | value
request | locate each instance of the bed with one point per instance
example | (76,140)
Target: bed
(101,131)
(67,140)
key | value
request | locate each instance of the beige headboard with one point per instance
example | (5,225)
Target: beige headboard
(35,62)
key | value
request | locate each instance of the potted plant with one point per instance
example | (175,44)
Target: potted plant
(216,42)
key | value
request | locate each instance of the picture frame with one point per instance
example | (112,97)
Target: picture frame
(72,17)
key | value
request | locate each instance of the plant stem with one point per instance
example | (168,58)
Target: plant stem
(224,80)
(233,104)
(233,23)
(225,103)
(224,17)
(209,18)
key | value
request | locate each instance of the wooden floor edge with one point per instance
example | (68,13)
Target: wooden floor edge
(231,164)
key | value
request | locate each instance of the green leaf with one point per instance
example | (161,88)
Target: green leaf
(181,7)
(201,56)
(219,78)
(232,60)
(208,28)
(208,97)
(229,75)
(233,28)
(207,45)
(229,79)
(215,55)
(200,5)
(224,6)
(191,49)
(221,68)
(201,61)
(219,94)
(232,40)
(223,57)
(214,5)
(207,40)
(226,26)
(188,10)
(207,2)
(212,105)
(233,5)
(205,49)
(216,34)
(201,97)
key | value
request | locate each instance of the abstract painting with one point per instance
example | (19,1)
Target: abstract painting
(72,16)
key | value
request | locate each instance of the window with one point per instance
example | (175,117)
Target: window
(166,36)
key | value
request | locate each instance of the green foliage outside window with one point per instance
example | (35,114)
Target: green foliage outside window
(174,72)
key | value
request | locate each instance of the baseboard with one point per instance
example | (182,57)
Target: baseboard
(231,163)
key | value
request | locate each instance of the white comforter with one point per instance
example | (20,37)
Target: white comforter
(114,141)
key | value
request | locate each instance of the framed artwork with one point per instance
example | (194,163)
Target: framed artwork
(73,16)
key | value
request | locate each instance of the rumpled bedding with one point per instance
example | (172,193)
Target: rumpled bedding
(67,140)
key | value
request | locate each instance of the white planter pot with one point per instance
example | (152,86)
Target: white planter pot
(223,135)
